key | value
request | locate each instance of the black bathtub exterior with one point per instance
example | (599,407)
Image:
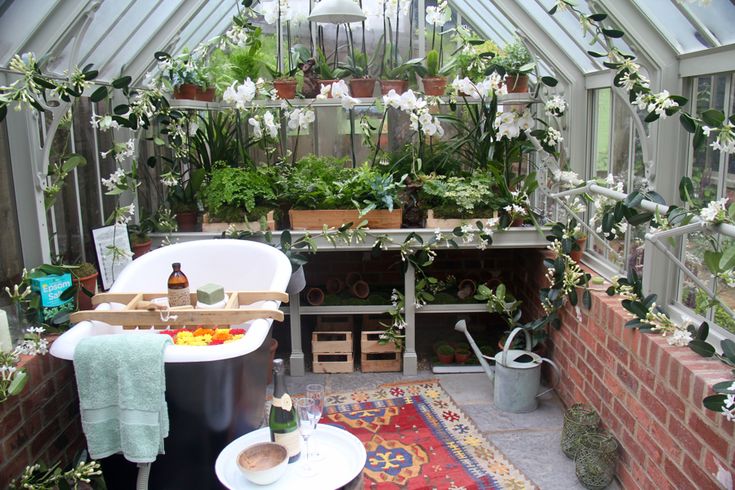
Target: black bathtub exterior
(209,405)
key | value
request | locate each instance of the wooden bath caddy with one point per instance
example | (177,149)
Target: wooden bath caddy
(141,311)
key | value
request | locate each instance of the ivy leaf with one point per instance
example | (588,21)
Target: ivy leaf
(122,82)
(549,81)
(714,402)
(121,109)
(552,10)
(713,117)
(587,299)
(595,54)
(652,116)
(727,261)
(599,17)
(728,349)
(702,348)
(699,138)
(151,162)
(19,381)
(99,94)
(686,189)
(688,122)
(712,260)
(723,387)
(703,331)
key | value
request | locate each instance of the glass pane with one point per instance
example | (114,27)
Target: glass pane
(602,133)
(672,24)
(621,142)
(718,17)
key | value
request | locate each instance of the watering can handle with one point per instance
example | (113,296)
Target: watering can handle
(509,342)
(556,371)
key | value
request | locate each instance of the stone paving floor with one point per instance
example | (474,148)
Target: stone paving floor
(530,440)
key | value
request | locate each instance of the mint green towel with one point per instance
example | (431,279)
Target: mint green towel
(122,385)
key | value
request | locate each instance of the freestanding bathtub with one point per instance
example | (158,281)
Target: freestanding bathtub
(214,393)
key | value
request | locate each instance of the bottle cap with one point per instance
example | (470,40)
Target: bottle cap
(278,365)
(176,265)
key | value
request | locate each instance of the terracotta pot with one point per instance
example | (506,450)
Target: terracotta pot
(89,283)
(205,94)
(272,348)
(462,355)
(360,289)
(335,285)
(323,83)
(434,85)
(576,255)
(352,278)
(186,220)
(445,356)
(466,288)
(399,86)
(362,87)
(285,89)
(141,248)
(186,91)
(315,296)
(517,84)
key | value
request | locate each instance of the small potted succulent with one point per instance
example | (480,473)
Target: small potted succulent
(395,74)
(361,83)
(516,62)
(84,277)
(140,241)
(445,354)
(434,83)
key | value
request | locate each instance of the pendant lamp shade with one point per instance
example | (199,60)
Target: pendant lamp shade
(336,12)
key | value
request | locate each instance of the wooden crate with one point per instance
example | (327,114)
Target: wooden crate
(451,223)
(333,363)
(372,321)
(334,323)
(370,343)
(377,362)
(219,227)
(315,219)
(331,342)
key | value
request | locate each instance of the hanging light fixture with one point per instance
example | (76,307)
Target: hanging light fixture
(336,12)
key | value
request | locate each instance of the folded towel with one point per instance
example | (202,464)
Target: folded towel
(122,385)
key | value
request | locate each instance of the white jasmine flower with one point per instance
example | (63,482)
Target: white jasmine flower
(555,106)
(715,212)
(439,15)
(169,179)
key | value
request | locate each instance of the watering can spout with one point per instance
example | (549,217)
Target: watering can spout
(461,326)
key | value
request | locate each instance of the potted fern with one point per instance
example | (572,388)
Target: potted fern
(516,63)
(361,83)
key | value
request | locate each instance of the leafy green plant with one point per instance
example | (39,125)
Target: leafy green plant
(502,302)
(236,194)
(357,66)
(515,59)
(458,197)
(367,189)
(38,476)
(139,232)
(324,70)
(432,63)
(394,68)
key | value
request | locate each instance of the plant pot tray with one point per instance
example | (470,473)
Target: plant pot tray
(451,223)
(141,311)
(315,219)
(219,227)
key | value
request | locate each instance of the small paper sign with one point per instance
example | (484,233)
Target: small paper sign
(113,252)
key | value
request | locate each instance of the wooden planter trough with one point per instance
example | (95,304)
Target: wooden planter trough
(376,357)
(219,227)
(315,219)
(451,223)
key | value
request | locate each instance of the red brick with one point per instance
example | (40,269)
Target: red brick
(641,475)
(695,473)
(671,447)
(12,468)
(685,437)
(604,355)
(634,450)
(594,364)
(642,416)
(652,404)
(626,479)
(652,449)
(712,464)
(618,351)
(676,477)
(646,377)
(627,379)
(710,437)
(613,384)
(685,384)
(674,374)
(623,415)
(671,399)
(656,474)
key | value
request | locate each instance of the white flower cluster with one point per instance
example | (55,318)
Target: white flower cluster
(117,178)
(124,214)
(169,179)
(300,118)
(511,124)
(552,137)
(632,75)
(439,15)
(33,344)
(680,337)
(288,13)
(236,35)
(243,94)
(555,106)
(729,278)
(339,90)
(567,178)
(657,103)
(715,212)
(491,84)
(728,406)
(103,123)
(121,151)
(725,141)
(418,111)
(268,121)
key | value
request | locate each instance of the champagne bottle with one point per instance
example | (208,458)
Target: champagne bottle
(178,287)
(282,420)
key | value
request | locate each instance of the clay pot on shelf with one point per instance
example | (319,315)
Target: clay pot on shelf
(141,248)
(315,296)
(352,278)
(360,289)
(334,285)
(445,354)
(462,355)
(89,283)
(285,89)
(323,83)
(362,87)
(186,91)
(205,94)
(399,86)
(434,86)
(186,220)
(576,255)
(466,288)
(517,84)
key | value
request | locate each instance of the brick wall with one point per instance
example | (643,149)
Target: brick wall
(42,423)
(648,394)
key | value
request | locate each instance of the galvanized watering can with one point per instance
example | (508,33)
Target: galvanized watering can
(517,374)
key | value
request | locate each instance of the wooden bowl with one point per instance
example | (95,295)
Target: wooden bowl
(263,463)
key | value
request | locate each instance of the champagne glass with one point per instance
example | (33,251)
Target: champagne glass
(316,393)
(308,417)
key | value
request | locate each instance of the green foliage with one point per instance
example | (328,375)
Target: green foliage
(515,59)
(394,68)
(432,63)
(357,66)
(458,197)
(472,59)
(234,194)
(250,61)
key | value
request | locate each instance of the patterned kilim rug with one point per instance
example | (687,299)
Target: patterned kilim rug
(416,437)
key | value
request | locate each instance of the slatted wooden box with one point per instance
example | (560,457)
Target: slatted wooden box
(332,346)
(376,357)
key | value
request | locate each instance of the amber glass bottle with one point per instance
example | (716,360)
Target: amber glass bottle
(178,287)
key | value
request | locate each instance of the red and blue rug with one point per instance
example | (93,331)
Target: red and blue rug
(416,437)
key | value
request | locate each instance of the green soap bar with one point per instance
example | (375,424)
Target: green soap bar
(210,294)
